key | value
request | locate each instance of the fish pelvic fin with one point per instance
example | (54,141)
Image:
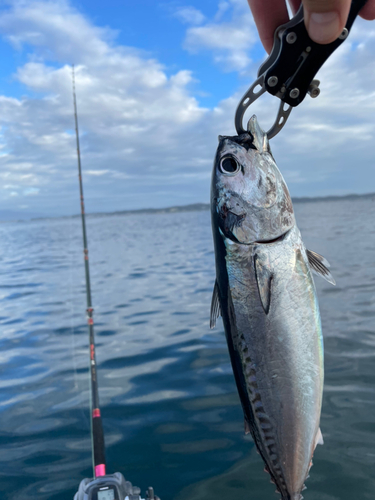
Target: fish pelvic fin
(319,438)
(215,306)
(320,265)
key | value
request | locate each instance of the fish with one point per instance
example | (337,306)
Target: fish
(264,291)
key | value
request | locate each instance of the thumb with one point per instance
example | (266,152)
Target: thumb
(325,19)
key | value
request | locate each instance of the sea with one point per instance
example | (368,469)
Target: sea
(171,413)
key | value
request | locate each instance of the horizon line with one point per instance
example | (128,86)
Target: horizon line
(193,207)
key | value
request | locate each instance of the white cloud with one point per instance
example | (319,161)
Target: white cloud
(144,134)
(96,172)
(189,15)
(131,114)
(55,29)
(31,191)
(230,38)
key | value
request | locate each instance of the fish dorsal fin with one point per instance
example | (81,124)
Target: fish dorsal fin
(319,438)
(260,137)
(215,306)
(320,266)
(264,280)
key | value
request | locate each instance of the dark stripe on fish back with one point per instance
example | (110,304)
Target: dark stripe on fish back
(268,439)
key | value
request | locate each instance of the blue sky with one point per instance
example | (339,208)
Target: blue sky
(156,83)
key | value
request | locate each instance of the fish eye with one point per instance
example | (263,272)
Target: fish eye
(229,165)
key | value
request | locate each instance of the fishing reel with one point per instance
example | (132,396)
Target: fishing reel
(111,487)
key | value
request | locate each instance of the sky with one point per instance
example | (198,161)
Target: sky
(156,83)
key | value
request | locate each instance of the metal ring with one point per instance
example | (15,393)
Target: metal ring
(245,102)
(280,121)
(252,96)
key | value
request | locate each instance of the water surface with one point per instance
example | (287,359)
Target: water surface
(172,417)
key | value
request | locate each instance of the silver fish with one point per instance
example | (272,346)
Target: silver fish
(265,293)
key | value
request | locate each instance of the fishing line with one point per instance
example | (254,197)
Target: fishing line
(73,329)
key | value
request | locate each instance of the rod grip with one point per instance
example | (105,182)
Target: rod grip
(98,439)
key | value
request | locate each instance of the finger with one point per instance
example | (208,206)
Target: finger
(268,16)
(368,11)
(325,19)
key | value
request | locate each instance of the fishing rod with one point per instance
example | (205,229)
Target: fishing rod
(98,450)
(102,486)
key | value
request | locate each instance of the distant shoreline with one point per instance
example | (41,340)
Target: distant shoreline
(200,207)
(195,207)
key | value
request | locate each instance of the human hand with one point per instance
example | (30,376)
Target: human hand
(324,19)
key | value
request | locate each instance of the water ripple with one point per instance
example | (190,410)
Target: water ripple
(171,412)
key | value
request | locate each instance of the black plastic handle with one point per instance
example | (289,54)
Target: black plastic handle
(299,60)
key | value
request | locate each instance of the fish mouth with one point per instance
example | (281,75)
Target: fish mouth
(274,240)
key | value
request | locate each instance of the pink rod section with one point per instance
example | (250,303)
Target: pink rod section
(99,470)
(95,413)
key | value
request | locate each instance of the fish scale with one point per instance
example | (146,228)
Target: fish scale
(268,437)
(266,429)
(266,296)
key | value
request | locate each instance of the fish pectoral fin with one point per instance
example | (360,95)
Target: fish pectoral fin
(319,438)
(264,280)
(320,266)
(215,306)
(246,426)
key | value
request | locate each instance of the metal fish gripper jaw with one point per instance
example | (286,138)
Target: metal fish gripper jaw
(288,73)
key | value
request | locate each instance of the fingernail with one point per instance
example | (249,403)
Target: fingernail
(323,27)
